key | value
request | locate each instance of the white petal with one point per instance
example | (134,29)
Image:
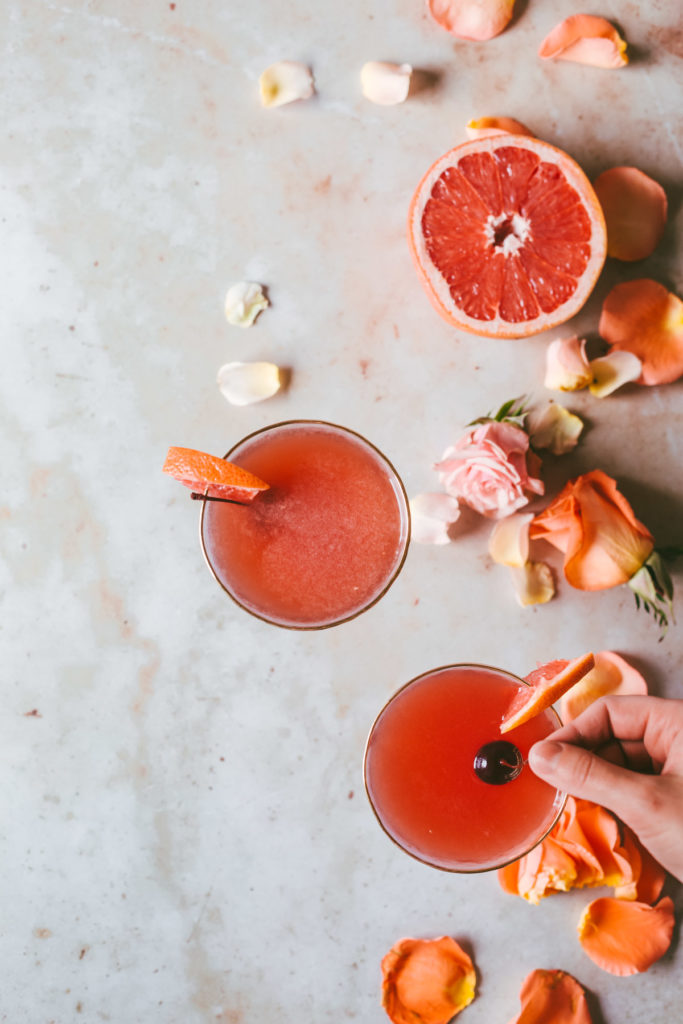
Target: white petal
(243,303)
(533,583)
(566,365)
(285,81)
(386,84)
(613,370)
(245,383)
(430,517)
(509,541)
(553,427)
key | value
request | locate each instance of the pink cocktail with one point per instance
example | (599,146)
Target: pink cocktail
(324,542)
(443,782)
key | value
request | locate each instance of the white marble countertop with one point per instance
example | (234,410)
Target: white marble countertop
(185,837)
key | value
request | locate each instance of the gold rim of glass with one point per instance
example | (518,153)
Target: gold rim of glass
(401,500)
(562,797)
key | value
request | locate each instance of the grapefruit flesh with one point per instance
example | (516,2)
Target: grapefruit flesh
(207,474)
(507,235)
(546,685)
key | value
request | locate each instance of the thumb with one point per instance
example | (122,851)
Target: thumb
(581,773)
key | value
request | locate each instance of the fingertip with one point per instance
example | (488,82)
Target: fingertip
(543,756)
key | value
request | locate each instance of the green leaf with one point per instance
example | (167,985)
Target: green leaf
(513,411)
(653,590)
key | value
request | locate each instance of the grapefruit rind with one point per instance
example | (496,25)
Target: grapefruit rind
(543,693)
(437,287)
(211,475)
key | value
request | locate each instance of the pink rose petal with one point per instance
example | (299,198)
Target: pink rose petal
(490,468)
(566,365)
(472,19)
(585,39)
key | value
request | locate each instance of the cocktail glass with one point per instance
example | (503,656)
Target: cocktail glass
(328,538)
(421,779)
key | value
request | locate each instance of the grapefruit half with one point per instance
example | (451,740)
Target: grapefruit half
(507,235)
(210,475)
(546,685)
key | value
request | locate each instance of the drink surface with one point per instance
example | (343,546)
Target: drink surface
(421,781)
(324,541)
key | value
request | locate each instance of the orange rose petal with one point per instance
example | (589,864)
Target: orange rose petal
(426,981)
(585,39)
(601,829)
(508,877)
(649,873)
(483,126)
(626,938)
(612,674)
(587,847)
(635,210)
(472,19)
(545,869)
(628,888)
(552,996)
(644,318)
(570,835)
(593,524)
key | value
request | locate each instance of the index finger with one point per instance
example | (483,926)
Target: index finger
(652,721)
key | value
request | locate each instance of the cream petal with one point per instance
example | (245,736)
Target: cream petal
(612,371)
(384,83)
(430,517)
(566,365)
(243,303)
(284,82)
(533,583)
(246,383)
(509,540)
(553,427)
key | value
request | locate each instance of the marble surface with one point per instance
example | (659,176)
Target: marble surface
(185,836)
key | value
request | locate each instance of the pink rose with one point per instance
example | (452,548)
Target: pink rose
(490,467)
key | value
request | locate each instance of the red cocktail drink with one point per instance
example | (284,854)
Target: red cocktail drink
(421,779)
(325,541)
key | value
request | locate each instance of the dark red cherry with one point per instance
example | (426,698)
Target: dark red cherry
(498,762)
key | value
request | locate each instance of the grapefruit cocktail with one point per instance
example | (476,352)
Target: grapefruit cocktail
(324,541)
(444,783)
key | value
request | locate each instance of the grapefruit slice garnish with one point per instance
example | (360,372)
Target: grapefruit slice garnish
(546,685)
(507,235)
(210,475)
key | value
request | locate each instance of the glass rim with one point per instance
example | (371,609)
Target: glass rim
(401,500)
(423,860)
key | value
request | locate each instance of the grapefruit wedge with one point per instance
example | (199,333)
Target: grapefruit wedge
(546,685)
(507,236)
(210,475)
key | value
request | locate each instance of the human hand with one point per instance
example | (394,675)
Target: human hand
(625,753)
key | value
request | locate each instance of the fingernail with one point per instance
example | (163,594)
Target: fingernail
(543,755)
